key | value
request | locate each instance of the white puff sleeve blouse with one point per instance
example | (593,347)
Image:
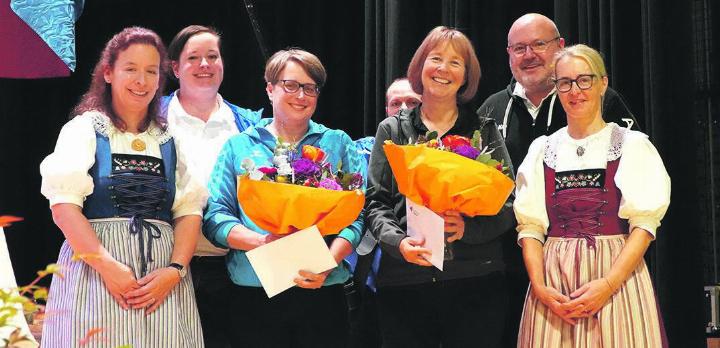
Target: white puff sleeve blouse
(641,178)
(65,177)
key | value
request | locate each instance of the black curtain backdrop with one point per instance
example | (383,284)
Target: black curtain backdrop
(660,56)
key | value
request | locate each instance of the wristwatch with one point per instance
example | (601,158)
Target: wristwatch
(181,269)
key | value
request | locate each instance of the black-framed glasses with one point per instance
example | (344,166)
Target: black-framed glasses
(292,86)
(582,81)
(537,46)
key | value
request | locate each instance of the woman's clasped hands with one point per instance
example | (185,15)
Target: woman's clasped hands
(148,292)
(584,302)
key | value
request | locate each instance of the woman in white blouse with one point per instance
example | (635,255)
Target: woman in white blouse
(201,121)
(130,219)
(588,202)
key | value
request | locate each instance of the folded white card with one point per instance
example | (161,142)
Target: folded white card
(277,263)
(422,221)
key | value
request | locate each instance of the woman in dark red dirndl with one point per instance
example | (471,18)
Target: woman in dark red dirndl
(589,200)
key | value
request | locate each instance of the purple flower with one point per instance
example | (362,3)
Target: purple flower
(467,151)
(305,168)
(356,181)
(330,184)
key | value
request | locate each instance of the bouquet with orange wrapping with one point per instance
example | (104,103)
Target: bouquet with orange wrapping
(453,173)
(298,191)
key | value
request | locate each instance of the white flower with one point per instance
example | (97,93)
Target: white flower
(284,169)
(256,175)
(280,160)
(248,165)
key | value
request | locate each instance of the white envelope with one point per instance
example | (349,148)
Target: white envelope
(277,263)
(422,221)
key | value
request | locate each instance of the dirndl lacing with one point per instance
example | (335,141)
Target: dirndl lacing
(584,223)
(139,197)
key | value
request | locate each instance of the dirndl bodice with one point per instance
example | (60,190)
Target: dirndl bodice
(136,187)
(584,203)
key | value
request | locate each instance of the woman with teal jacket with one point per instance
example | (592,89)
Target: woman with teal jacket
(313,313)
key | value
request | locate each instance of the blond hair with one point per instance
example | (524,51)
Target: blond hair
(592,57)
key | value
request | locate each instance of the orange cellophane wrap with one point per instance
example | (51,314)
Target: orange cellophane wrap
(285,208)
(442,180)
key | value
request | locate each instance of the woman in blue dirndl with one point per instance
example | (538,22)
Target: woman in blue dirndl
(130,219)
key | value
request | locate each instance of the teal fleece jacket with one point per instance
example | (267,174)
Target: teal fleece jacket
(257,143)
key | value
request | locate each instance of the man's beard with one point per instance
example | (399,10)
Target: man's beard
(535,83)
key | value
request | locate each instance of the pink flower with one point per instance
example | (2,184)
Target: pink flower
(268,170)
(330,184)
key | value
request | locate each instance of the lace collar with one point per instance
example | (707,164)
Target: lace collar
(104,126)
(617,138)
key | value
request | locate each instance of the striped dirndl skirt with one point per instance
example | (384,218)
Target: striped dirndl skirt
(81,312)
(630,319)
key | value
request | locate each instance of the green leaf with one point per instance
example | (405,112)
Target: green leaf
(40,294)
(493,163)
(5,294)
(30,307)
(476,140)
(483,158)
(52,268)
(345,180)
(339,165)
(9,312)
(17,298)
(430,135)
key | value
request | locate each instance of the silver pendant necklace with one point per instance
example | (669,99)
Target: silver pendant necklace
(580,150)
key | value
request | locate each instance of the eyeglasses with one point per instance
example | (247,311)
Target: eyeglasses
(292,86)
(582,81)
(538,46)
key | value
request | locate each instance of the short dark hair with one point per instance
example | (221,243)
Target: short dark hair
(181,38)
(99,95)
(308,61)
(462,45)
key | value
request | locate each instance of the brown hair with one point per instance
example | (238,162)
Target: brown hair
(462,45)
(310,63)
(181,38)
(99,95)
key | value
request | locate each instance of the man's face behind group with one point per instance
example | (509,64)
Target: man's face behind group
(401,96)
